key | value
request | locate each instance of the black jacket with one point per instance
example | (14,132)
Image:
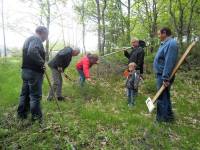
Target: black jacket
(62,59)
(137,56)
(33,54)
(132,81)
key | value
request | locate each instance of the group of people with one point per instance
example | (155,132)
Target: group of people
(164,63)
(61,61)
(33,68)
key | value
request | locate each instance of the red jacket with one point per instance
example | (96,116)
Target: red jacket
(84,64)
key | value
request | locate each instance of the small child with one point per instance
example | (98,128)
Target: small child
(84,65)
(132,83)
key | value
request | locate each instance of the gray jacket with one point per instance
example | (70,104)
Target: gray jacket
(62,59)
(33,54)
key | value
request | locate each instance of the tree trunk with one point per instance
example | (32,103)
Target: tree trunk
(83,25)
(3,29)
(192,5)
(99,26)
(48,27)
(128,21)
(103,26)
(154,24)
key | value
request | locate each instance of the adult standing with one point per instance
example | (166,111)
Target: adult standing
(164,63)
(32,75)
(136,55)
(57,65)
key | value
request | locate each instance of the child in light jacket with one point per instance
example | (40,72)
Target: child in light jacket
(132,84)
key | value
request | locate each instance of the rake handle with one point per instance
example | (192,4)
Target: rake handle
(174,70)
(115,52)
(51,87)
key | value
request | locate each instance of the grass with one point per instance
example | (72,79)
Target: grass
(97,117)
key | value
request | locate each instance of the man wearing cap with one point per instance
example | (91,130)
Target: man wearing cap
(57,65)
(136,55)
(32,75)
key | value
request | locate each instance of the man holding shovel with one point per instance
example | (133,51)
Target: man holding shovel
(57,65)
(164,63)
(32,74)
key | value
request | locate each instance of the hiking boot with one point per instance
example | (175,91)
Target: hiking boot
(49,99)
(130,105)
(61,98)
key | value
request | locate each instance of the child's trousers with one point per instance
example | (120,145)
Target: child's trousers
(131,96)
(82,77)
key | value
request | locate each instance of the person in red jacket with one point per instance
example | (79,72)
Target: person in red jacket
(83,67)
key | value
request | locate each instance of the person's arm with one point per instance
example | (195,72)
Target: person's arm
(140,59)
(86,69)
(126,54)
(33,52)
(171,55)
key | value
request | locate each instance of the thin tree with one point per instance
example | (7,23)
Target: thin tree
(83,25)
(103,26)
(99,25)
(3,28)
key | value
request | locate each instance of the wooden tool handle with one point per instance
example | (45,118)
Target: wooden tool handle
(116,52)
(158,93)
(182,58)
(51,87)
(174,70)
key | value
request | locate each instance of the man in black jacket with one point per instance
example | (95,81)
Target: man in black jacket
(57,65)
(136,55)
(32,74)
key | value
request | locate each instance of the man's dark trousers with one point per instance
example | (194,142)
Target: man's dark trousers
(31,94)
(164,108)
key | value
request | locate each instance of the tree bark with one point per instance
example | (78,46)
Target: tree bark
(103,26)
(3,29)
(192,5)
(48,17)
(129,21)
(99,26)
(83,25)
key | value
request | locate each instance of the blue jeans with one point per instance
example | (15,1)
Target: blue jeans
(82,77)
(164,107)
(31,95)
(131,96)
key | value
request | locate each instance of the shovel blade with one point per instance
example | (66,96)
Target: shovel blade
(150,104)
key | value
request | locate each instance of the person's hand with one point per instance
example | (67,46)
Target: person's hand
(60,69)
(89,79)
(44,68)
(141,77)
(166,83)
(98,62)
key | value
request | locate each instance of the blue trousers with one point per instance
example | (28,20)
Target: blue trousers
(31,94)
(131,96)
(82,77)
(164,107)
